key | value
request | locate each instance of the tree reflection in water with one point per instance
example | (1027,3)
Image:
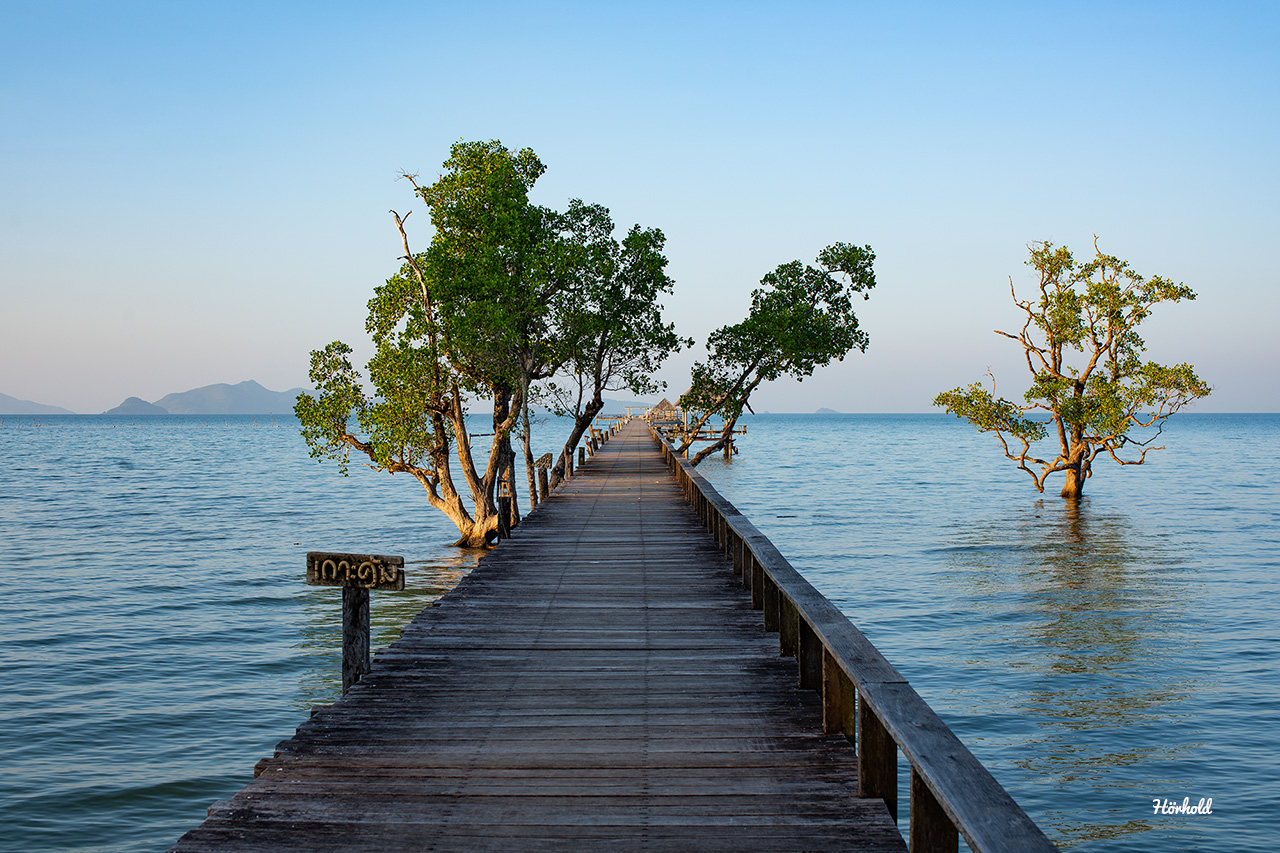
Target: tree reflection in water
(1089,620)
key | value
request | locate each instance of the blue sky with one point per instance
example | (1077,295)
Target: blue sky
(198,192)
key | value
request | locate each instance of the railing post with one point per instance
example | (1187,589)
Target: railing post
(877,759)
(544,488)
(582,456)
(788,642)
(769,603)
(809,652)
(931,830)
(753,580)
(839,700)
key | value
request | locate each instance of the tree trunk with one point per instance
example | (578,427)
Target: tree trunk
(477,534)
(581,423)
(473,532)
(725,443)
(1074,485)
(526,440)
(1078,471)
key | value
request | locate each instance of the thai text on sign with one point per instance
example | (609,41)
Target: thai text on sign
(365,571)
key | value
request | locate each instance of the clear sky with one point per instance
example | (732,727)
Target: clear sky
(197,192)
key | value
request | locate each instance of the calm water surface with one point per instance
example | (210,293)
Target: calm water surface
(159,638)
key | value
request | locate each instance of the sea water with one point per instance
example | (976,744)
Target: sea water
(1107,660)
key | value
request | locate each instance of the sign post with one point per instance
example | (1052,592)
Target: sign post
(356,574)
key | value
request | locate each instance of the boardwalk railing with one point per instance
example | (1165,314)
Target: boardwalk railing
(864,697)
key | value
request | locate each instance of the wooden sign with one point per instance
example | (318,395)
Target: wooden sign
(362,571)
(544,461)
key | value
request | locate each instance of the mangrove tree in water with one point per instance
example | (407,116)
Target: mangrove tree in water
(801,318)
(1090,385)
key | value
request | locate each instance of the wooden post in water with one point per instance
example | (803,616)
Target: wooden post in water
(504,510)
(357,657)
(504,516)
(542,463)
(356,574)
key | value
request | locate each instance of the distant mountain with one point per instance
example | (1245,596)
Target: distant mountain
(246,398)
(825,411)
(14,406)
(136,406)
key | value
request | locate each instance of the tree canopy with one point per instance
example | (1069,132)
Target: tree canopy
(1090,384)
(801,318)
(494,306)
(609,326)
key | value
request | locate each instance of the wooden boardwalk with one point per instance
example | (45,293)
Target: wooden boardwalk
(600,681)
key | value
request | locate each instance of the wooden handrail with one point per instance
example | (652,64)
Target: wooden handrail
(864,696)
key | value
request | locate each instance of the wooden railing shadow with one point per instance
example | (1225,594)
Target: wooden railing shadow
(864,696)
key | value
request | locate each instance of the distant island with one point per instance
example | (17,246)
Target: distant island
(245,398)
(136,406)
(14,406)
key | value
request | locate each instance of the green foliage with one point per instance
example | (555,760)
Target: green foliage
(608,324)
(325,418)
(1089,378)
(801,318)
(506,294)
(976,404)
(487,263)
